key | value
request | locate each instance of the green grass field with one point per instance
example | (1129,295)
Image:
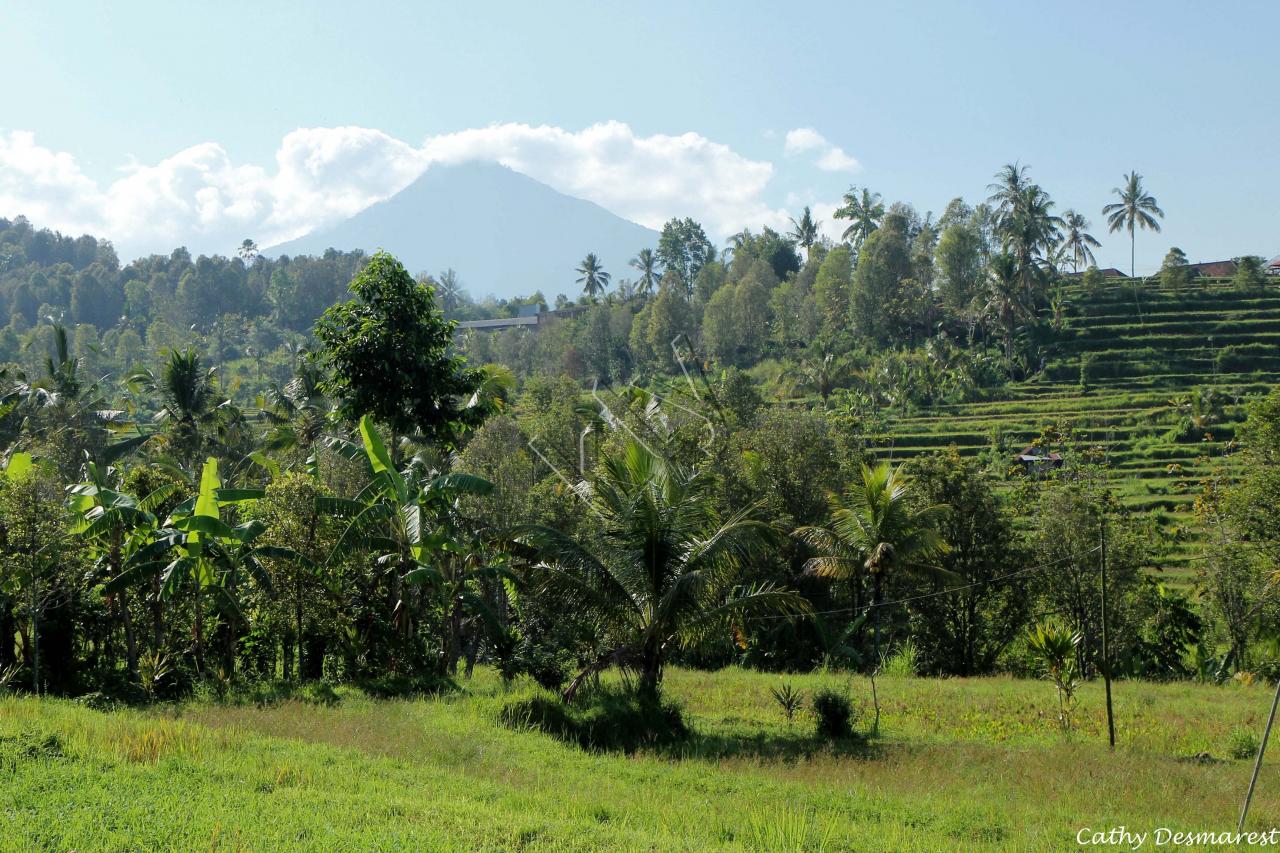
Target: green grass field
(963,764)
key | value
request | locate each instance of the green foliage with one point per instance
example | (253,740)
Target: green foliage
(387,354)
(789,700)
(1242,744)
(668,571)
(1054,649)
(1250,275)
(833,714)
(607,720)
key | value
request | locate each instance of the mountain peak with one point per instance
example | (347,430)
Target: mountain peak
(504,233)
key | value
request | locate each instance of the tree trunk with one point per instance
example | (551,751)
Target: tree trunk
(130,639)
(297,614)
(650,670)
(157,616)
(199,630)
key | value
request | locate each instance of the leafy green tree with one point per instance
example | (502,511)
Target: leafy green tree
(1175,271)
(594,279)
(964,632)
(683,248)
(1005,300)
(306,601)
(665,571)
(959,260)
(669,315)
(120,532)
(387,352)
(833,291)
(37,557)
(1069,514)
(883,264)
(1249,273)
(876,531)
(1136,209)
(864,211)
(449,288)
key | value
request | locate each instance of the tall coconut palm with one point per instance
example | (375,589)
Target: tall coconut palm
(594,279)
(876,531)
(1007,190)
(1076,241)
(1005,300)
(864,211)
(187,400)
(449,290)
(1136,209)
(804,231)
(646,263)
(668,569)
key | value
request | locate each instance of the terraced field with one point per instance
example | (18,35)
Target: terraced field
(1143,354)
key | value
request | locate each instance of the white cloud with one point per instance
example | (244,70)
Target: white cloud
(830,158)
(200,198)
(646,179)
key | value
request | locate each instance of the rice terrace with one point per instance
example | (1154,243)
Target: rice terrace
(583,427)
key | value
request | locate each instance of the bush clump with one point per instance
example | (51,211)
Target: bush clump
(605,721)
(833,714)
(1242,743)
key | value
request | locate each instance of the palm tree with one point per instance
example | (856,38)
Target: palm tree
(594,279)
(822,372)
(864,211)
(1005,300)
(1006,192)
(187,400)
(805,231)
(668,571)
(248,250)
(1076,240)
(1136,208)
(876,531)
(298,413)
(735,242)
(450,290)
(646,263)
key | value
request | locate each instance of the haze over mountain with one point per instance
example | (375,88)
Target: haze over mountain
(503,232)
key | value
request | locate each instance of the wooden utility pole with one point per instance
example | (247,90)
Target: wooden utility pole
(1106,661)
(1257,764)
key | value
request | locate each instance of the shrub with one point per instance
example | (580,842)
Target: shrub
(404,686)
(606,720)
(904,662)
(1242,743)
(1054,650)
(789,700)
(833,713)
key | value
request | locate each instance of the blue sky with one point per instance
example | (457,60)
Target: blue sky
(160,123)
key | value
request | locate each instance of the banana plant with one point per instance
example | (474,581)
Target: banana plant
(410,521)
(197,551)
(121,533)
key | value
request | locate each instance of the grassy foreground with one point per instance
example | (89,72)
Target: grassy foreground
(962,764)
